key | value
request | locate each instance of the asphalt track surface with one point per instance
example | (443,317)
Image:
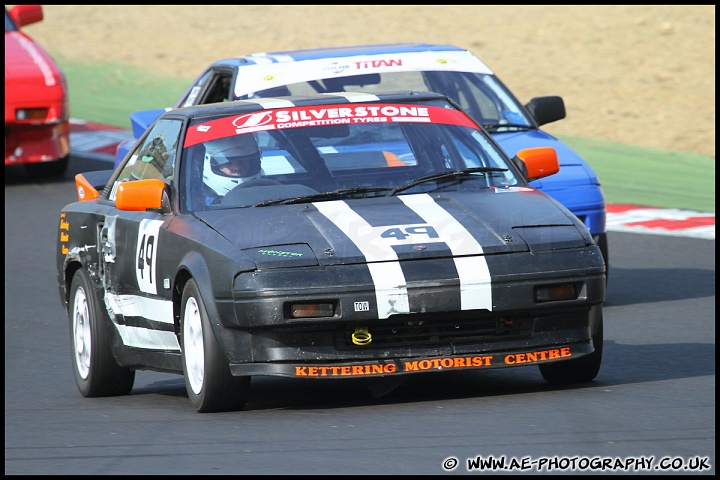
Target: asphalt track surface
(653,401)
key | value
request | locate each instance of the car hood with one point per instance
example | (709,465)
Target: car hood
(574,171)
(491,222)
(30,73)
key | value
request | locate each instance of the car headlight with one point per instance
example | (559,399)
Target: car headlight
(31,113)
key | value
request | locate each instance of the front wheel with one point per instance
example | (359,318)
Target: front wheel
(210,385)
(97,373)
(583,369)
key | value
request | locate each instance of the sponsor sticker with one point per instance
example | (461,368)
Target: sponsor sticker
(495,360)
(313,116)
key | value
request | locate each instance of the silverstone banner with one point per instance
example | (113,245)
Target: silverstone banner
(314,116)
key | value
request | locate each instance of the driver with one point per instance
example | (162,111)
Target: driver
(230,162)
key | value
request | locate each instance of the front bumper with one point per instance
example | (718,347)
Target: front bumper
(439,344)
(259,336)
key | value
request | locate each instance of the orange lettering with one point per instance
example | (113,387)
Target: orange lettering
(411,366)
(484,360)
(446,362)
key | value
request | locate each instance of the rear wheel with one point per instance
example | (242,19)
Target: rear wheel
(210,385)
(583,369)
(97,373)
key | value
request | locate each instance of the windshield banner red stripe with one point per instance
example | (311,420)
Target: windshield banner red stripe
(315,116)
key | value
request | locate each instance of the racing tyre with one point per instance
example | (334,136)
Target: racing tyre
(602,242)
(583,369)
(97,373)
(210,385)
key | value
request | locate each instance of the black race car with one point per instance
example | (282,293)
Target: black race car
(324,237)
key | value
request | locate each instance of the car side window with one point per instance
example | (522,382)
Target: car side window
(196,89)
(216,90)
(212,87)
(154,157)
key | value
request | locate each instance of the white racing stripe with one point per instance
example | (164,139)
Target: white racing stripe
(271,103)
(390,285)
(355,96)
(139,337)
(388,277)
(475,281)
(149,308)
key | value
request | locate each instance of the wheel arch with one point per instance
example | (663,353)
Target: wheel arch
(71,267)
(237,346)
(181,278)
(194,266)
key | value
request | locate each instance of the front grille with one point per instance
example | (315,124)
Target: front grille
(423,330)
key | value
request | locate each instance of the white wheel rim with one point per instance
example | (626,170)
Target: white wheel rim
(82,340)
(193,346)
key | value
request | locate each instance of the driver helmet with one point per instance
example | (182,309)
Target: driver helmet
(231,161)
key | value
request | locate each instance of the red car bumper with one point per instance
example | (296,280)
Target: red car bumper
(27,143)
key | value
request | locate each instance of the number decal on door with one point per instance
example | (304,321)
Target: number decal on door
(146,255)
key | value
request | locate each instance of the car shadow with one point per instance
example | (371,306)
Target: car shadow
(623,364)
(629,286)
(18,175)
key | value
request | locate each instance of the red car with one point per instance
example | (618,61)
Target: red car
(37,127)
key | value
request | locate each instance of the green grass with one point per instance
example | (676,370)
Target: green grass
(652,177)
(108,93)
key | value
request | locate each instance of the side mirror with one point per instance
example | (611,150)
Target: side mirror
(26,14)
(540,162)
(546,109)
(141,195)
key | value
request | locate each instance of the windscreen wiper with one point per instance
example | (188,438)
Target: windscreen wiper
(494,127)
(453,174)
(335,194)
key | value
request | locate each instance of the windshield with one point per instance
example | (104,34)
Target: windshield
(481,95)
(328,152)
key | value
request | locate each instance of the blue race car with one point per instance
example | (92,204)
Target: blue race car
(445,69)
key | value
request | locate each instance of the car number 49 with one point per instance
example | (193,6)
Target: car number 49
(147,255)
